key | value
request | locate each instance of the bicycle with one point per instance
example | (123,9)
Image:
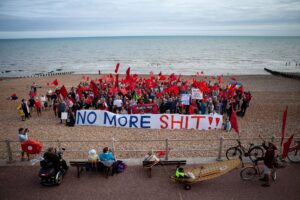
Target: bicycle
(248,173)
(254,152)
(294,153)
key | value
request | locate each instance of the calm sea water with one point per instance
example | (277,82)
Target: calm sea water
(182,55)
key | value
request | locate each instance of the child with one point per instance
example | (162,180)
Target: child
(22,138)
(227,125)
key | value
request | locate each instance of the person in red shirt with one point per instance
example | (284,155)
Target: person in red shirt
(38,106)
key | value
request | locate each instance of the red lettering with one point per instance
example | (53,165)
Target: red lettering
(198,120)
(186,122)
(210,119)
(217,121)
(164,122)
(176,122)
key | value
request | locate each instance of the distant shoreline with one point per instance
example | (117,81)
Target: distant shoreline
(148,36)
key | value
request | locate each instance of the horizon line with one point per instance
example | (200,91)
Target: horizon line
(121,36)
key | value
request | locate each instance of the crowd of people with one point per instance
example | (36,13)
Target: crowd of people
(162,92)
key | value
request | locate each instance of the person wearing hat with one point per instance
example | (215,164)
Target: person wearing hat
(269,161)
(92,160)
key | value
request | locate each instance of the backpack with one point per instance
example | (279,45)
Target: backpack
(120,166)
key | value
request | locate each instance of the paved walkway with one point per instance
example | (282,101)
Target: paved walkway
(21,182)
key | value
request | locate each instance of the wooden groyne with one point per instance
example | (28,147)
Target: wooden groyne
(284,74)
(39,75)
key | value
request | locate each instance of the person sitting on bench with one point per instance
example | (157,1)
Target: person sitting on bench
(92,160)
(107,158)
(152,158)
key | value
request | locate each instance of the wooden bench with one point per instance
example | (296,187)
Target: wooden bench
(150,164)
(82,164)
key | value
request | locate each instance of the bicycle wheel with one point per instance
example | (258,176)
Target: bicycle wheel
(256,153)
(248,173)
(294,156)
(233,153)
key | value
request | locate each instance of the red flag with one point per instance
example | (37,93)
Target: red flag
(63,91)
(117,68)
(286,147)
(161,153)
(152,76)
(159,94)
(117,81)
(55,82)
(283,125)
(124,92)
(94,87)
(162,77)
(233,121)
(79,91)
(87,78)
(128,72)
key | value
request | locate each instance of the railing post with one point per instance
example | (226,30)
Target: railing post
(167,149)
(113,146)
(59,145)
(9,153)
(219,158)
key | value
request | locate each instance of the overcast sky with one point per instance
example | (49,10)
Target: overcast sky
(73,18)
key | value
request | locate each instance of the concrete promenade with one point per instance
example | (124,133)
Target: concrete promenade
(22,182)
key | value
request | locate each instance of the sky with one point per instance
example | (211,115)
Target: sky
(84,18)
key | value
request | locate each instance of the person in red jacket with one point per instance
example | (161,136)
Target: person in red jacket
(38,106)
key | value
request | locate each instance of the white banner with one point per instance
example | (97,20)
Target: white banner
(151,121)
(196,93)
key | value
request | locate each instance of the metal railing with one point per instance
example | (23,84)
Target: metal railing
(214,147)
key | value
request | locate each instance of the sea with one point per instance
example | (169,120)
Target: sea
(184,55)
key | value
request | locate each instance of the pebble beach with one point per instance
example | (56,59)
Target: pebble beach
(270,96)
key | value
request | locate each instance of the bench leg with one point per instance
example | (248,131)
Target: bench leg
(150,172)
(79,171)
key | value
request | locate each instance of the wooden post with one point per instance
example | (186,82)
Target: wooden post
(9,153)
(219,158)
(167,149)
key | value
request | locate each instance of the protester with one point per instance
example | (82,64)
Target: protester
(25,109)
(12,97)
(227,125)
(21,112)
(22,138)
(269,161)
(43,102)
(38,107)
(71,119)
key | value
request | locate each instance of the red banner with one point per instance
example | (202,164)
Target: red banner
(145,108)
